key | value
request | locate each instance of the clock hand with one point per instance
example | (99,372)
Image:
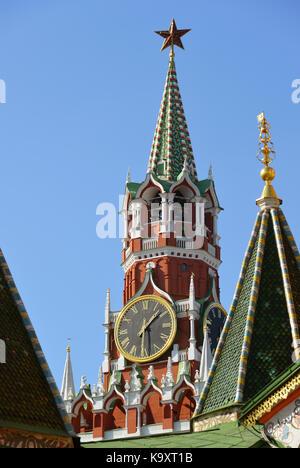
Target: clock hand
(148,323)
(143,338)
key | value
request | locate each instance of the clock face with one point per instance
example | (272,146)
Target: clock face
(215,317)
(145,329)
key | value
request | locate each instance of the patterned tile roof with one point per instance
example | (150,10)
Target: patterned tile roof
(28,394)
(263,325)
(171,143)
(228,435)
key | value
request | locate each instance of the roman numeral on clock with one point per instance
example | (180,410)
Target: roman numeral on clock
(164,313)
(125,343)
(164,337)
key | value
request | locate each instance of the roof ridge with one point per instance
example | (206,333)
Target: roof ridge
(245,263)
(252,308)
(286,282)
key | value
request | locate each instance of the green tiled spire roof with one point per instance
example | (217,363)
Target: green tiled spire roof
(171,144)
(262,328)
(29,398)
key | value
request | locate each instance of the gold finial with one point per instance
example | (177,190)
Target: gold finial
(265,146)
(68,347)
(266,156)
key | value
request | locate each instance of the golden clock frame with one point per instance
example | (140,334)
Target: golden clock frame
(131,358)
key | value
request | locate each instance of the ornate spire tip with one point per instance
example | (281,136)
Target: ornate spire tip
(172,37)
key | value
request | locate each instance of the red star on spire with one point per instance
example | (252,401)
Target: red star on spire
(172,37)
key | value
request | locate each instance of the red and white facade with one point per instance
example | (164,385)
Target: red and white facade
(176,257)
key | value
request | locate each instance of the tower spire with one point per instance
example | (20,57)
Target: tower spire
(68,387)
(171,142)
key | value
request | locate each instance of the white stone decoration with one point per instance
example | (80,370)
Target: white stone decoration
(127,387)
(100,385)
(151,374)
(83,383)
(136,380)
(169,376)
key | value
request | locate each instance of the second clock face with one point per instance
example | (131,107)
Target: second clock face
(145,328)
(215,321)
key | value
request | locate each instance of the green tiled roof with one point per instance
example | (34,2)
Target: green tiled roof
(29,398)
(228,435)
(203,185)
(171,142)
(264,319)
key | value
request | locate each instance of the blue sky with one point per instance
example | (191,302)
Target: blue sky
(84,82)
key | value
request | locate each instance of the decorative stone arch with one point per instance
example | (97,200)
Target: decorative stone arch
(109,402)
(183,394)
(82,416)
(186,186)
(112,414)
(149,281)
(183,384)
(153,411)
(116,413)
(151,196)
(186,404)
(149,182)
(148,391)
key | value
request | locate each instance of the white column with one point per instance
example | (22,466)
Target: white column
(105,366)
(164,212)
(199,216)
(216,237)
(193,353)
(139,212)
(171,212)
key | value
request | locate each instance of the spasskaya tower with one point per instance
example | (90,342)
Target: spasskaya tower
(159,347)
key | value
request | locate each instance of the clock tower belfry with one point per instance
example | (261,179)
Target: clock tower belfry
(159,347)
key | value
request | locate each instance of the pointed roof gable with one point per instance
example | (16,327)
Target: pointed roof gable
(264,319)
(29,398)
(262,328)
(171,143)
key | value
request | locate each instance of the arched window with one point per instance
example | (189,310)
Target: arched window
(118,415)
(155,213)
(179,201)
